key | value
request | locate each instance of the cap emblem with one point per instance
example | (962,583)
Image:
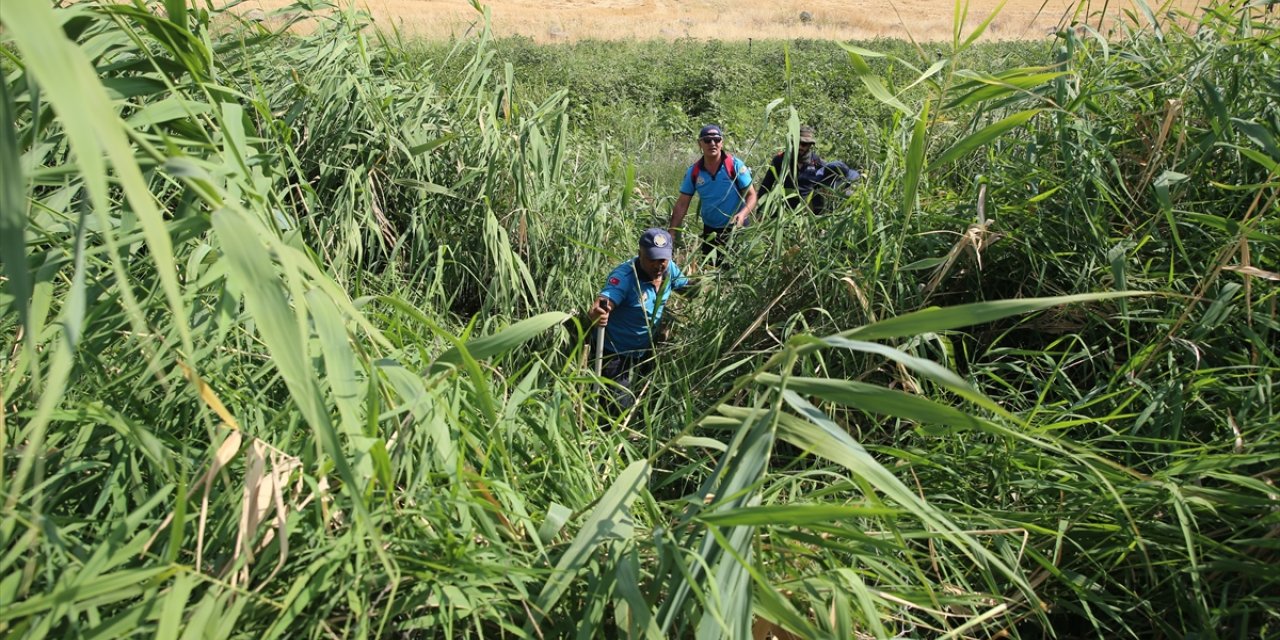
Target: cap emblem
(659,241)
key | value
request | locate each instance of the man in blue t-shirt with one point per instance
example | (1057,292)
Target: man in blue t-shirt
(630,306)
(723,184)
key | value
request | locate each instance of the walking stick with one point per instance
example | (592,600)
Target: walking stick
(599,350)
(600,343)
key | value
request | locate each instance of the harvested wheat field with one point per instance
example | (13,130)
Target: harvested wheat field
(570,20)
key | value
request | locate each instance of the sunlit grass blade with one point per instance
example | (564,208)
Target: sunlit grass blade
(95,133)
(100,590)
(33,434)
(874,84)
(792,514)
(982,27)
(981,138)
(280,327)
(914,169)
(956,317)
(986,88)
(505,340)
(13,215)
(609,520)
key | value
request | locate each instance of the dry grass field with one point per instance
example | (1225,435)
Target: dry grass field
(569,20)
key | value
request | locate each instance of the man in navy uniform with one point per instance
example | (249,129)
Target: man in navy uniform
(809,176)
(629,309)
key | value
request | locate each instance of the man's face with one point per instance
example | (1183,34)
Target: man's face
(711,144)
(653,267)
(805,148)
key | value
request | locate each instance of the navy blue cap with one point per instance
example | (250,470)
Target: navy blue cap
(710,130)
(655,244)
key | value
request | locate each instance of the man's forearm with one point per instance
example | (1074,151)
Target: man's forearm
(749,203)
(677,219)
(677,214)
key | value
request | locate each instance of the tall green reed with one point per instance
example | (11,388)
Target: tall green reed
(353,231)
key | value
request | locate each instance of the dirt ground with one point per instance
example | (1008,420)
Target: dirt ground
(570,20)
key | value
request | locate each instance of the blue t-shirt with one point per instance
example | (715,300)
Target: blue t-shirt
(720,197)
(637,307)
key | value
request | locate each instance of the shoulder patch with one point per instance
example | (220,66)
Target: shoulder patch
(614,281)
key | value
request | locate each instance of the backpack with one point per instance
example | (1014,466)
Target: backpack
(837,174)
(728,169)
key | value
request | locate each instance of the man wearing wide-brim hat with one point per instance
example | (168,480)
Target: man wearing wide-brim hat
(804,173)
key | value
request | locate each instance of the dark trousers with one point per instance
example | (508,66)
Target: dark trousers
(814,201)
(717,239)
(628,371)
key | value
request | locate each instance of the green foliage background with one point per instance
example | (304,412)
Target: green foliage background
(289,345)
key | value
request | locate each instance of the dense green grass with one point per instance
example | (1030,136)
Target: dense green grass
(288,353)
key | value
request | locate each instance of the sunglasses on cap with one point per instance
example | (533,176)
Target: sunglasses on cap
(712,139)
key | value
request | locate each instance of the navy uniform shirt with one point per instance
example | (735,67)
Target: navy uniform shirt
(637,307)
